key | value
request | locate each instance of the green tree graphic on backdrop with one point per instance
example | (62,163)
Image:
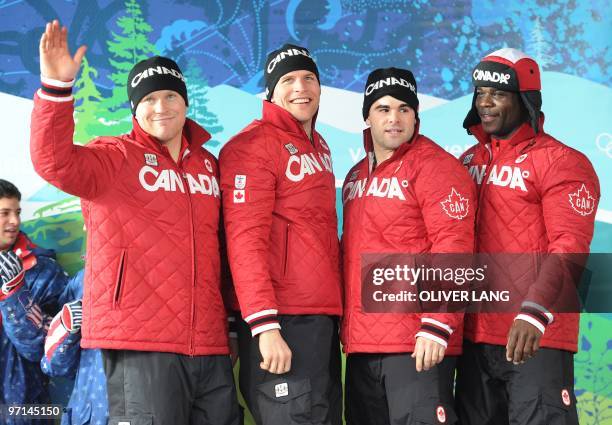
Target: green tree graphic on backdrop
(198,91)
(127,48)
(87,99)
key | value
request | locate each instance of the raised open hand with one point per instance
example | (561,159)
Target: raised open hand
(55,59)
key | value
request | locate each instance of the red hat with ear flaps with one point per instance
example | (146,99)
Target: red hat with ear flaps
(509,70)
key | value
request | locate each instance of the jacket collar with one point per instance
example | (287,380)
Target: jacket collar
(282,119)
(524,132)
(194,134)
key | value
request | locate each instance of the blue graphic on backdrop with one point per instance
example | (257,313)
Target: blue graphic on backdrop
(439,40)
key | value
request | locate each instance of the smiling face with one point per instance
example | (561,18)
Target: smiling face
(10,221)
(298,92)
(162,115)
(392,123)
(500,112)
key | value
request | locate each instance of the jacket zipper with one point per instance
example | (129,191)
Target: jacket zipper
(361,206)
(193,269)
(183,175)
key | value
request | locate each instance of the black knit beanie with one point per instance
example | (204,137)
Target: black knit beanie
(284,60)
(396,82)
(156,73)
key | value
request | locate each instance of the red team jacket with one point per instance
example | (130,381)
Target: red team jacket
(280,220)
(152,280)
(403,206)
(536,195)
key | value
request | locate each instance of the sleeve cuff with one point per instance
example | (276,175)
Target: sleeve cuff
(532,320)
(431,337)
(536,310)
(435,330)
(262,321)
(55,90)
(56,335)
(259,329)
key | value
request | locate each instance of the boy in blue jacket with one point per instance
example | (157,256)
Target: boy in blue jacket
(31,282)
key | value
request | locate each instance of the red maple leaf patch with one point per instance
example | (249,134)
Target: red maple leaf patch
(456,206)
(238,196)
(582,202)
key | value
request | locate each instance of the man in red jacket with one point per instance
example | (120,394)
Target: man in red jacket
(281,226)
(537,198)
(152,293)
(400,365)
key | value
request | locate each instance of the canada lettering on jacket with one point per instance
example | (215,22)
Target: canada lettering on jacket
(494,77)
(300,166)
(456,207)
(584,204)
(170,181)
(283,55)
(153,71)
(389,81)
(506,176)
(386,187)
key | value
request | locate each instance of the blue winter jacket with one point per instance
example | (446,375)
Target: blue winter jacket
(25,315)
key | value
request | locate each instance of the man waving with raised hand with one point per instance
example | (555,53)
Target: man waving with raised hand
(152,292)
